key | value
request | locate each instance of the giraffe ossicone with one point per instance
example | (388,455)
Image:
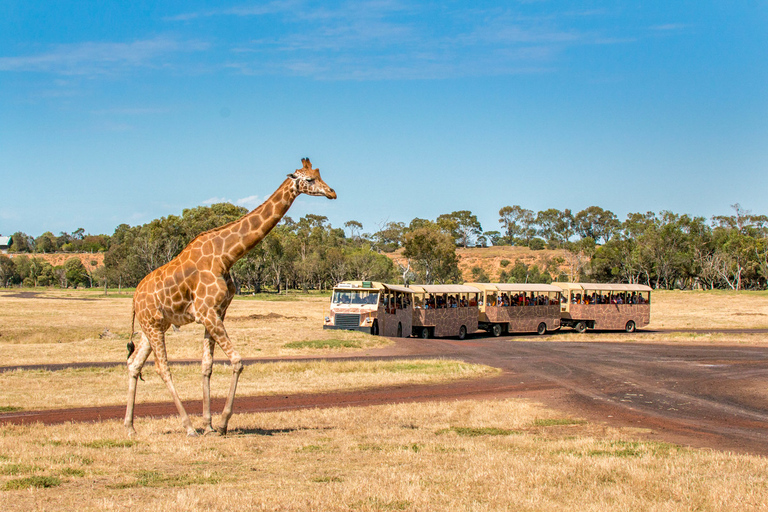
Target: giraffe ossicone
(196,287)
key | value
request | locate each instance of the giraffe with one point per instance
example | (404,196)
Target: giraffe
(196,287)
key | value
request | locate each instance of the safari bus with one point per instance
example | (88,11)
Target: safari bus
(372,307)
(605,306)
(444,310)
(518,307)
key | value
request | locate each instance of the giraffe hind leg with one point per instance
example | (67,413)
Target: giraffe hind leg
(163,369)
(208,346)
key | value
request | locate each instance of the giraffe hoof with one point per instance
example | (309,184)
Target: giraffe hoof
(209,431)
(192,433)
(221,430)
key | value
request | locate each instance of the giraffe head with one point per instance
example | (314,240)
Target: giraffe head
(308,181)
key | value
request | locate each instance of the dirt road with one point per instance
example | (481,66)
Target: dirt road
(703,396)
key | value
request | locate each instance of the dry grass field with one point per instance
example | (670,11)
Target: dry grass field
(458,455)
(465,455)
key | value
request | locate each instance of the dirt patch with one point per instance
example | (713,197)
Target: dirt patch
(39,295)
(267,316)
(674,392)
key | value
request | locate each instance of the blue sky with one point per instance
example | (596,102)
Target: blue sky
(121,112)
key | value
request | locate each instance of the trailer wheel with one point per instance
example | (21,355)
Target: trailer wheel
(425,332)
(542,329)
(462,332)
(375,328)
(399,330)
(630,327)
(496,330)
(581,327)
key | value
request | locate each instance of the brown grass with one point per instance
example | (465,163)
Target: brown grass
(86,387)
(62,327)
(83,325)
(461,455)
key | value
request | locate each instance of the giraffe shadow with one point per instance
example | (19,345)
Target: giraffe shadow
(270,431)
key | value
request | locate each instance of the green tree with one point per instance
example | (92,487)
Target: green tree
(596,223)
(433,253)
(45,243)
(463,227)
(75,272)
(517,223)
(7,271)
(21,242)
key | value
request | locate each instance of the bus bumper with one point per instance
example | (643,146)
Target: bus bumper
(361,328)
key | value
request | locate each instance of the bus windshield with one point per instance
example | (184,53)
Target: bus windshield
(355,297)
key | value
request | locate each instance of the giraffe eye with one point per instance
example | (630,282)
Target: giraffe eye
(310,180)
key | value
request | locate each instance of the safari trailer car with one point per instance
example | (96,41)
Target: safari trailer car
(607,306)
(444,310)
(518,307)
(372,307)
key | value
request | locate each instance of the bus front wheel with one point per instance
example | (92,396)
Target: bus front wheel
(542,329)
(462,332)
(399,330)
(630,327)
(375,328)
(496,330)
(581,327)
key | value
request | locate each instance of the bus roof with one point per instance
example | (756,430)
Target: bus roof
(396,288)
(516,287)
(356,285)
(616,287)
(443,288)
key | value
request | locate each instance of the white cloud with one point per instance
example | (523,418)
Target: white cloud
(214,200)
(249,202)
(96,58)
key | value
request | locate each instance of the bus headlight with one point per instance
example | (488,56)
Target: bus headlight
(327,320)
(369,320)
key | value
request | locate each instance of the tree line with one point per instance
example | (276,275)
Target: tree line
(664,250)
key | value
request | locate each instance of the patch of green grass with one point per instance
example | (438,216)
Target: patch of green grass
(553,422)
(312,448)
(326,479)
(325,344)
(17,469)
(110,443)
(159,479)
(72,472)
(9,408)
(32,481)
(480,431)
(370,447)
(375,503)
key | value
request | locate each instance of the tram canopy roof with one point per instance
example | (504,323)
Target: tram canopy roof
(517,287)
(615,287)
(396,288)
(443,288)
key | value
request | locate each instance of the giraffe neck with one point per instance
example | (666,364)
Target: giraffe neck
(242,235)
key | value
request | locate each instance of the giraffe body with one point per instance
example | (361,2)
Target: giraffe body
(196,287)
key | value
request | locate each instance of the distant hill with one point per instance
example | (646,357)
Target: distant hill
(91,261)
(490,258)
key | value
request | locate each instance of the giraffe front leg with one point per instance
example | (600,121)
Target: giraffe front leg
(226,414)
(161,364)
(135,363)
(208,346)
(215,327)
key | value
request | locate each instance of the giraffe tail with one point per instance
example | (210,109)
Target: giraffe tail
(131,346)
